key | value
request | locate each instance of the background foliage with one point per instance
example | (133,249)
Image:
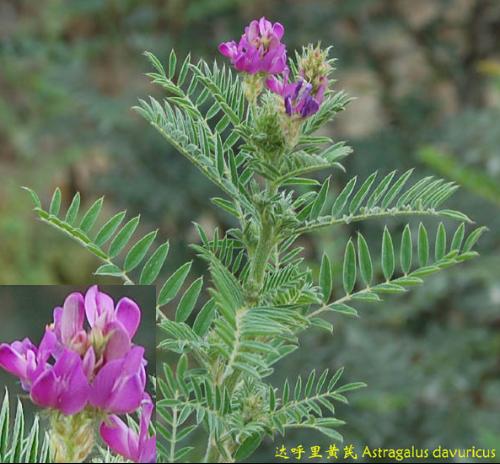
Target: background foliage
(428,94)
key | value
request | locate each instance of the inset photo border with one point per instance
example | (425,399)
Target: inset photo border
(79,362)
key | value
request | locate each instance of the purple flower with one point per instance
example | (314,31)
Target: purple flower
(78,363)
(24,360)
(114,326)
(63,386)
(298,97)
(111,328)
(259,50)
(137,447)
(118,387)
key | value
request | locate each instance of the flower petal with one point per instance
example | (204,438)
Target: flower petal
(147,450)
(278,30)
(72,316)
(89,362)
(119,437)
(118,343)
(129,314)
(228,49)
(134,360)
(47,345)
(127,398)
(103,383)
(74,396)
(98,306)
(44,390)
(12,361)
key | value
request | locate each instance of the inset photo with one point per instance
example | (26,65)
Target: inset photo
(76,373)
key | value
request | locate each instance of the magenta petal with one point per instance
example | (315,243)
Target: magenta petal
(119,437)
(148,450)
(129,314)
(12,361)
(72,316)
(91,305)
(89,362)
(75,396)
(228,49)
(57,321)
(119,342)
(127,398)
(99,306)
(118,387)
(278,30)
(147,411)
(44,390)
(133,361)
(47,345)
(104,382)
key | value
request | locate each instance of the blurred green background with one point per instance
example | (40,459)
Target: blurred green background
(426,77)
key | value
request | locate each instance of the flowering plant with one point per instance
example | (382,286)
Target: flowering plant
(253,134)
(87,375)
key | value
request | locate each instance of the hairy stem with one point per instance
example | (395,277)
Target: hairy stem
(72,437)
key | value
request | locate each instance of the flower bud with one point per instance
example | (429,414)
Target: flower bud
(315,67)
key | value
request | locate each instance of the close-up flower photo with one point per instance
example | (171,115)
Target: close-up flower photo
(250,231)
(84,376)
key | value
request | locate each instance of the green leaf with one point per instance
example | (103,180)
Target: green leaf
(121,239)
(343,197)
(458,238)
(91,215)
(455,215)
(138,251)
(248,447)
(388,262)
(31,447)
(17,434)
(440,246)
(172,61)
(380,190)
(110,270)
(350,386)
(310,383)
(423,246)
(320,200)
(173,284)
(365,260)
(322,324)
(109,228)
(349,268)
(406,250)
(188,300)
(395,189)
(473,238)
(73,209)
(55,203)
(34,197)
(361,194)
(204,318)
(4,425)
(343,309)
(326,277)
(154,264)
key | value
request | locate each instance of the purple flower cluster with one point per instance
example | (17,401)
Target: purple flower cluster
(96,367)
(298,96)
(260,51)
